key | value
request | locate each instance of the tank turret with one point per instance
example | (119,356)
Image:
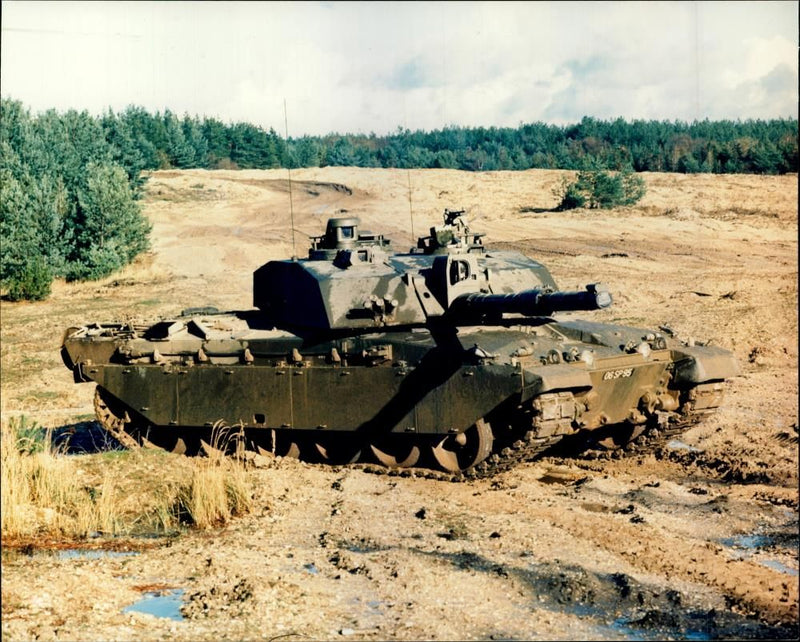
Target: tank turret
(351,282)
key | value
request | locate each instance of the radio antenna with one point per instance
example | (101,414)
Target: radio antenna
(408,176)
(410,210)
(289,169)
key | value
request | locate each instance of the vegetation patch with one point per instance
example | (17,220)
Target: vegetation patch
(595,188)
(68,201)
(51,495)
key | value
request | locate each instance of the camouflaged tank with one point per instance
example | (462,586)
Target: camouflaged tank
(444,357)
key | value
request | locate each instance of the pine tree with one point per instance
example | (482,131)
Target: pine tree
(20,263)
(110,229)
(598,189)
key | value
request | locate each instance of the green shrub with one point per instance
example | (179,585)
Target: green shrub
(600,189)
(572,198)
(27,436)
(32,282)
(110,229)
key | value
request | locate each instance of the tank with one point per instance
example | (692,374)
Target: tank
(451,356)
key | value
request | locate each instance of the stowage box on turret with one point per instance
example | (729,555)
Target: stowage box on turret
(446,356)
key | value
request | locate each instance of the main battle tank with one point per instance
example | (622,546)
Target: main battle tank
(444,357)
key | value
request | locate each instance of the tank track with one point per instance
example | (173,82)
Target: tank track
(653,439)
(666,426)
(549,417)
(520,451)
(650,441)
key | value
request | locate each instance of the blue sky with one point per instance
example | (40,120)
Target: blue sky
(374,67)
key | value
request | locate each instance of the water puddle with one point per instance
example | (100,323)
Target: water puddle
(775,565)
(747,542)
(77,554)
(631,631)
(677,444)
(164,604)
(629,628)
(89,554)
(369,612)
(616,606)
(752,547)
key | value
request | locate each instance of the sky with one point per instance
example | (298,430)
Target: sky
(358,67)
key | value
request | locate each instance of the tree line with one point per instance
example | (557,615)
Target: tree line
(720,147)
(148,141)
(68,201)
(70,182)
(160,141)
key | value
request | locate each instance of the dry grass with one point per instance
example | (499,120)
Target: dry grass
(217,492)
(218,489)
(41,492)
(48,494)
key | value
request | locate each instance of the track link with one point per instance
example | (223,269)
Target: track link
(498,462)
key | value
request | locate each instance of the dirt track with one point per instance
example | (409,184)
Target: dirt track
(699,541)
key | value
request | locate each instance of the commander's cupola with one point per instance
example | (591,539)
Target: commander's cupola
(342,234)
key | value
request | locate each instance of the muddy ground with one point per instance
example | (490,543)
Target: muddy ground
(696,541)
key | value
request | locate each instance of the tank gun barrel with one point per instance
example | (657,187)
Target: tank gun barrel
(536,302)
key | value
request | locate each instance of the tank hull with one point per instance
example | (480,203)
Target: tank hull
(535,379)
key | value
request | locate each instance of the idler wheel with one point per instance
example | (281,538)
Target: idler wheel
(113,416)
(395,451)
(457,453)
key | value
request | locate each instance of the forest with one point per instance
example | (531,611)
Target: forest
(70,182)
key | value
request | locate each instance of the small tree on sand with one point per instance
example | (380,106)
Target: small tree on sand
(600,189)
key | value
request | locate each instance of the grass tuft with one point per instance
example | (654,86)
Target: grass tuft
(218,489)
(47,493)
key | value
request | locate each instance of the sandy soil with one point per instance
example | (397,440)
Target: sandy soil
(697,541)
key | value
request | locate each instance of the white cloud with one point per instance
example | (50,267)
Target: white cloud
(761,56)
(353,66)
